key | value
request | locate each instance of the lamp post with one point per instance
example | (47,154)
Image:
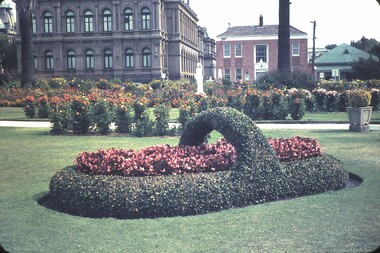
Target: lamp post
(313,55)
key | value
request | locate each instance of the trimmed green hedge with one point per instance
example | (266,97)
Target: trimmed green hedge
(256,177)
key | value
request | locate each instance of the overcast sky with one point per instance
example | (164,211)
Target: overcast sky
(338,21)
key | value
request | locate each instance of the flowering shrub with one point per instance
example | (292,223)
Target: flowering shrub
(158,160)
(80,115)
(123,118)
(332,100)
(296,148)
(166,160)
(42,107)
(30,107)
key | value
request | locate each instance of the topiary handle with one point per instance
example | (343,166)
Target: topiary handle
(252,148)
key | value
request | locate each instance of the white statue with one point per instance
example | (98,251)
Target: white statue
(199,78)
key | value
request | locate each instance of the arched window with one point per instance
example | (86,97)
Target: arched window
(128,19)
(147,58)
(129,61)
(70,22)
(48,22)
(107,21)
(88,21)
(71,62)
(49,60)
(89,61)
(34,23)
(145,19)
(108,61)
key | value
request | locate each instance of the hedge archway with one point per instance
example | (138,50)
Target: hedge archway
(252,148)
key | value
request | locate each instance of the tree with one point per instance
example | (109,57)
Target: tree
(366,69)
(284,37)
(330,46)
(24,13)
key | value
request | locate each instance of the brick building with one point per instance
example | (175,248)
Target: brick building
(130,40)
(248,52)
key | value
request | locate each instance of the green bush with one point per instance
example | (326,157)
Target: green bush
(161,113)
(102,116)
(256,177)
(123,119)
(359,98)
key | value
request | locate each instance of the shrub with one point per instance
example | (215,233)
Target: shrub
(342,101)
(297,108)
(359,98)
(161,114)
(30,107)
(60,116)
(58,83)
(332,100)
(43,107)
(123,118)
(320,99)
(102,116)
(80,115)
(144,126)
(256,177)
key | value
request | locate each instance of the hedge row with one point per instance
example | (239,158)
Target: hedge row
(256,177)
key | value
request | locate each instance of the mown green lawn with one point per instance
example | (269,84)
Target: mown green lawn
(17,113)
(341,221)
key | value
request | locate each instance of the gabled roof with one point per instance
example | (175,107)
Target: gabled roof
(343,54)
(256,30)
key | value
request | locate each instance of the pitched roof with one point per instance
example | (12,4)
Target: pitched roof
(343,54)
(256,30)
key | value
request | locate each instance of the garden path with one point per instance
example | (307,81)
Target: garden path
(295,126)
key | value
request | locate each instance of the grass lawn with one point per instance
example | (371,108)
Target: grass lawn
(341,221)
(17,113)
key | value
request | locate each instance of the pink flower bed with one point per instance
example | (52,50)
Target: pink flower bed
(166,160)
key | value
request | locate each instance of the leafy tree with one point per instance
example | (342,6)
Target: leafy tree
(8,60)
(366,69)
(284,37)
(330,46)
(24,12)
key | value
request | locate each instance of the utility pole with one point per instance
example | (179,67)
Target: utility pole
(313,56)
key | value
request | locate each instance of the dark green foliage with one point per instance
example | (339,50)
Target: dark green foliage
(278,79)
(256,177)
(123,119)
(161,113)
(102,116)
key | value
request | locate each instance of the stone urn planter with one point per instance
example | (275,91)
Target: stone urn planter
(359,112)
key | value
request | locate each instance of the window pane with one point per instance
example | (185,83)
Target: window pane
(238,50)
(70,22)
(261,53)
(107,21)
(227,50)
(48,22)
(145,19)
(128,20)
(88,22)
(129,61)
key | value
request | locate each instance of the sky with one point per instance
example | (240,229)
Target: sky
(338,21)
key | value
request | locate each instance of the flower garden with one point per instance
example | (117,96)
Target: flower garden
(129,181)
(80,107)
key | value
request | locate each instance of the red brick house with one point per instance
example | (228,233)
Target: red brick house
(247,52)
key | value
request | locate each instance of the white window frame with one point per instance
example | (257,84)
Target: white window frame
(227,50)
(240,50)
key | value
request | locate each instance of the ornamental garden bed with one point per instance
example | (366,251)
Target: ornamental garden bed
(245,169)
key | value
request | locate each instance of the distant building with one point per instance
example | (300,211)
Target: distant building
(130,40)
(7,21)
(248,52)
(335,64)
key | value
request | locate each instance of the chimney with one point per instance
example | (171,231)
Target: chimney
(261,21)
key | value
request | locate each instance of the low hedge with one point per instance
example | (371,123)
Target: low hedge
(256,177)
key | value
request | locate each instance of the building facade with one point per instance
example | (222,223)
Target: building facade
(336,63)
(137,40)
(7,21)
(248,52)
